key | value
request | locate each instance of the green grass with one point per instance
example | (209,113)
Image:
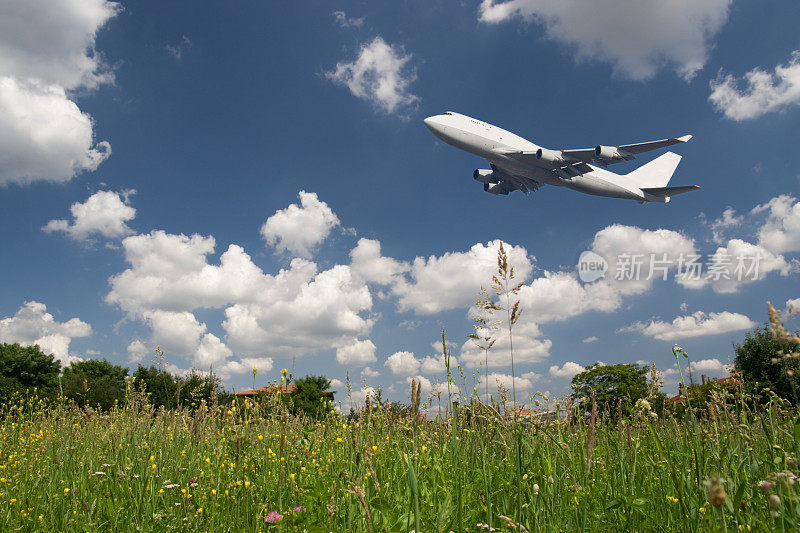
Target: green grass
(221,469)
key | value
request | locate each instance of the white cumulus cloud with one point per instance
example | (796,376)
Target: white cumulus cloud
(356,353)
(46,50)
(104,213)
(452,280)
(43,134)
(697,324)
(709,366)
(379,74)
(635,38)
(299,229)
(136,351)
(781,230)
(403,364)
(32,324)
(567,370)
(368,263)
(765,92)
(497,380)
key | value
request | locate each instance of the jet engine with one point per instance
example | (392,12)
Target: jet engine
(607,153)
(484,175)
(494,188)
(549,156)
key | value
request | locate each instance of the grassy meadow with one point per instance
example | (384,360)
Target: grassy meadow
(251,466)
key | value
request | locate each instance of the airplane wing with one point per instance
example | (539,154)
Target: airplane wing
(531,158)
(512,182)
(624,152)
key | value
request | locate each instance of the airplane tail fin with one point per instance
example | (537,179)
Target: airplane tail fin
(657,172)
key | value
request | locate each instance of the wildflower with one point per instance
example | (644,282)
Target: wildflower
(672,499)
(66,490)
(338,439)
(765,487)
(273,517)
(213,492)
(299,509)
(374,449)
(536,488)
(99,473)
(247,484)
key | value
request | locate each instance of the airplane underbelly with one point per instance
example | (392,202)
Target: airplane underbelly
(469,142)
(599,187)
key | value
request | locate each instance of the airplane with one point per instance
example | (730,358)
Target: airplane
(518,164)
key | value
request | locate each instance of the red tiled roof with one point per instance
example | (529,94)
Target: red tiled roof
(283,389)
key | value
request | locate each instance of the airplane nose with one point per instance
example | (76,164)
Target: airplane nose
(432,124)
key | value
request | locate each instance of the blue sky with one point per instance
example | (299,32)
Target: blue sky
(252,184)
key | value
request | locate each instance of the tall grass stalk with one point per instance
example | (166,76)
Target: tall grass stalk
(502,283)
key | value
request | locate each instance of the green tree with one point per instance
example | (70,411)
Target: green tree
(94,383)
(25,368)
(612,384)
(168,391)
(310,397)
(762,362)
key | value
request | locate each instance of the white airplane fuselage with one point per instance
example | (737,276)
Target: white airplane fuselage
(491,143)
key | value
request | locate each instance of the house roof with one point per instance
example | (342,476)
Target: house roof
(291,388)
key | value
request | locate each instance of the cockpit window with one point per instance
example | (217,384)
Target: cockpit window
(448,113)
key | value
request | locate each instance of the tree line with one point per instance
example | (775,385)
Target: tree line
(766,364)
(99,384)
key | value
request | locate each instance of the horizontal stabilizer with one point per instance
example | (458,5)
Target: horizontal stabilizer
(664,192)
(638,148)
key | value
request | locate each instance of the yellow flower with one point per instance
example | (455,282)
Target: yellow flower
(338,439)
(66,490)
(284,371)
(374,449)
(213,492)
(238,483)
(152,458)
(199,510)
(247,484)
(261,437)
(291,475)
